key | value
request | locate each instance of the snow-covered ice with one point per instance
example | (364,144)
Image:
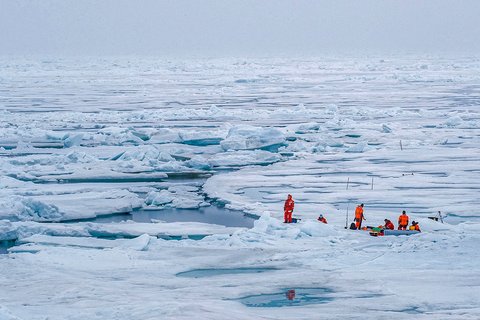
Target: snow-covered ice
(113,136)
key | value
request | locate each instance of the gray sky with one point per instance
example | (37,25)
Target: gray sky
(238,27)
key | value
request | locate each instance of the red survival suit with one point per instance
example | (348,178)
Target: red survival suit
(389,225)
(288,209)
(322,219)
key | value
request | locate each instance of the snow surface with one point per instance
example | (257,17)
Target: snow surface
(86,138)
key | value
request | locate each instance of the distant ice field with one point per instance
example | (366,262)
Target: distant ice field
(141,120)
(85,141)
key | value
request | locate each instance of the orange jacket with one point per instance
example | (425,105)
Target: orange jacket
(359,213)
(403,220)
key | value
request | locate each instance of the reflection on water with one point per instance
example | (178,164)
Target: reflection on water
(290,294)
(210,214)
(289,298)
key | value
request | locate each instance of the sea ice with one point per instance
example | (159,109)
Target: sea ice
(287,126)
(249,137)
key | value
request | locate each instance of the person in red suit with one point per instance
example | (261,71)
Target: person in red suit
(321,218)
(389,225)
(288,209)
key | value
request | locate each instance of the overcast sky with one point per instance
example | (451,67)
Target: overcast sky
(238,27)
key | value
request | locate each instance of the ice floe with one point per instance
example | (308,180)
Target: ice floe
(69,206)
(249,137)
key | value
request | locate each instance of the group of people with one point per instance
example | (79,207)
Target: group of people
(403,219)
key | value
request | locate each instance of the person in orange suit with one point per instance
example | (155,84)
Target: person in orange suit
(389,225)
(359,216)
(403,221)
(321,218)
(288,209)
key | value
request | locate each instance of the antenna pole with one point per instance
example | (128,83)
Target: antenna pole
(346,217)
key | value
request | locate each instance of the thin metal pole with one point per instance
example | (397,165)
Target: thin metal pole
(372,183)
(348,181)
(346,218)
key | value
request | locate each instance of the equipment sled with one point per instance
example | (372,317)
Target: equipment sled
(388,232)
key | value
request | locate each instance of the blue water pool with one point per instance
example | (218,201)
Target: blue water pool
(288,297)
(211,214)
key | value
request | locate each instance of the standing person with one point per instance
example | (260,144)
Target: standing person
(403,221)
(389,225)
(288,209)
(321,218)
(359,216)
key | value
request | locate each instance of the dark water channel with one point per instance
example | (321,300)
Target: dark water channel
(5,244)
(204,273)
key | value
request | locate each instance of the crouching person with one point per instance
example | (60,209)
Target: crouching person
(415,226)
(388,225)
(321,218)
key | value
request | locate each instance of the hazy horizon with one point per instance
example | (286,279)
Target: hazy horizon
(213,28)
